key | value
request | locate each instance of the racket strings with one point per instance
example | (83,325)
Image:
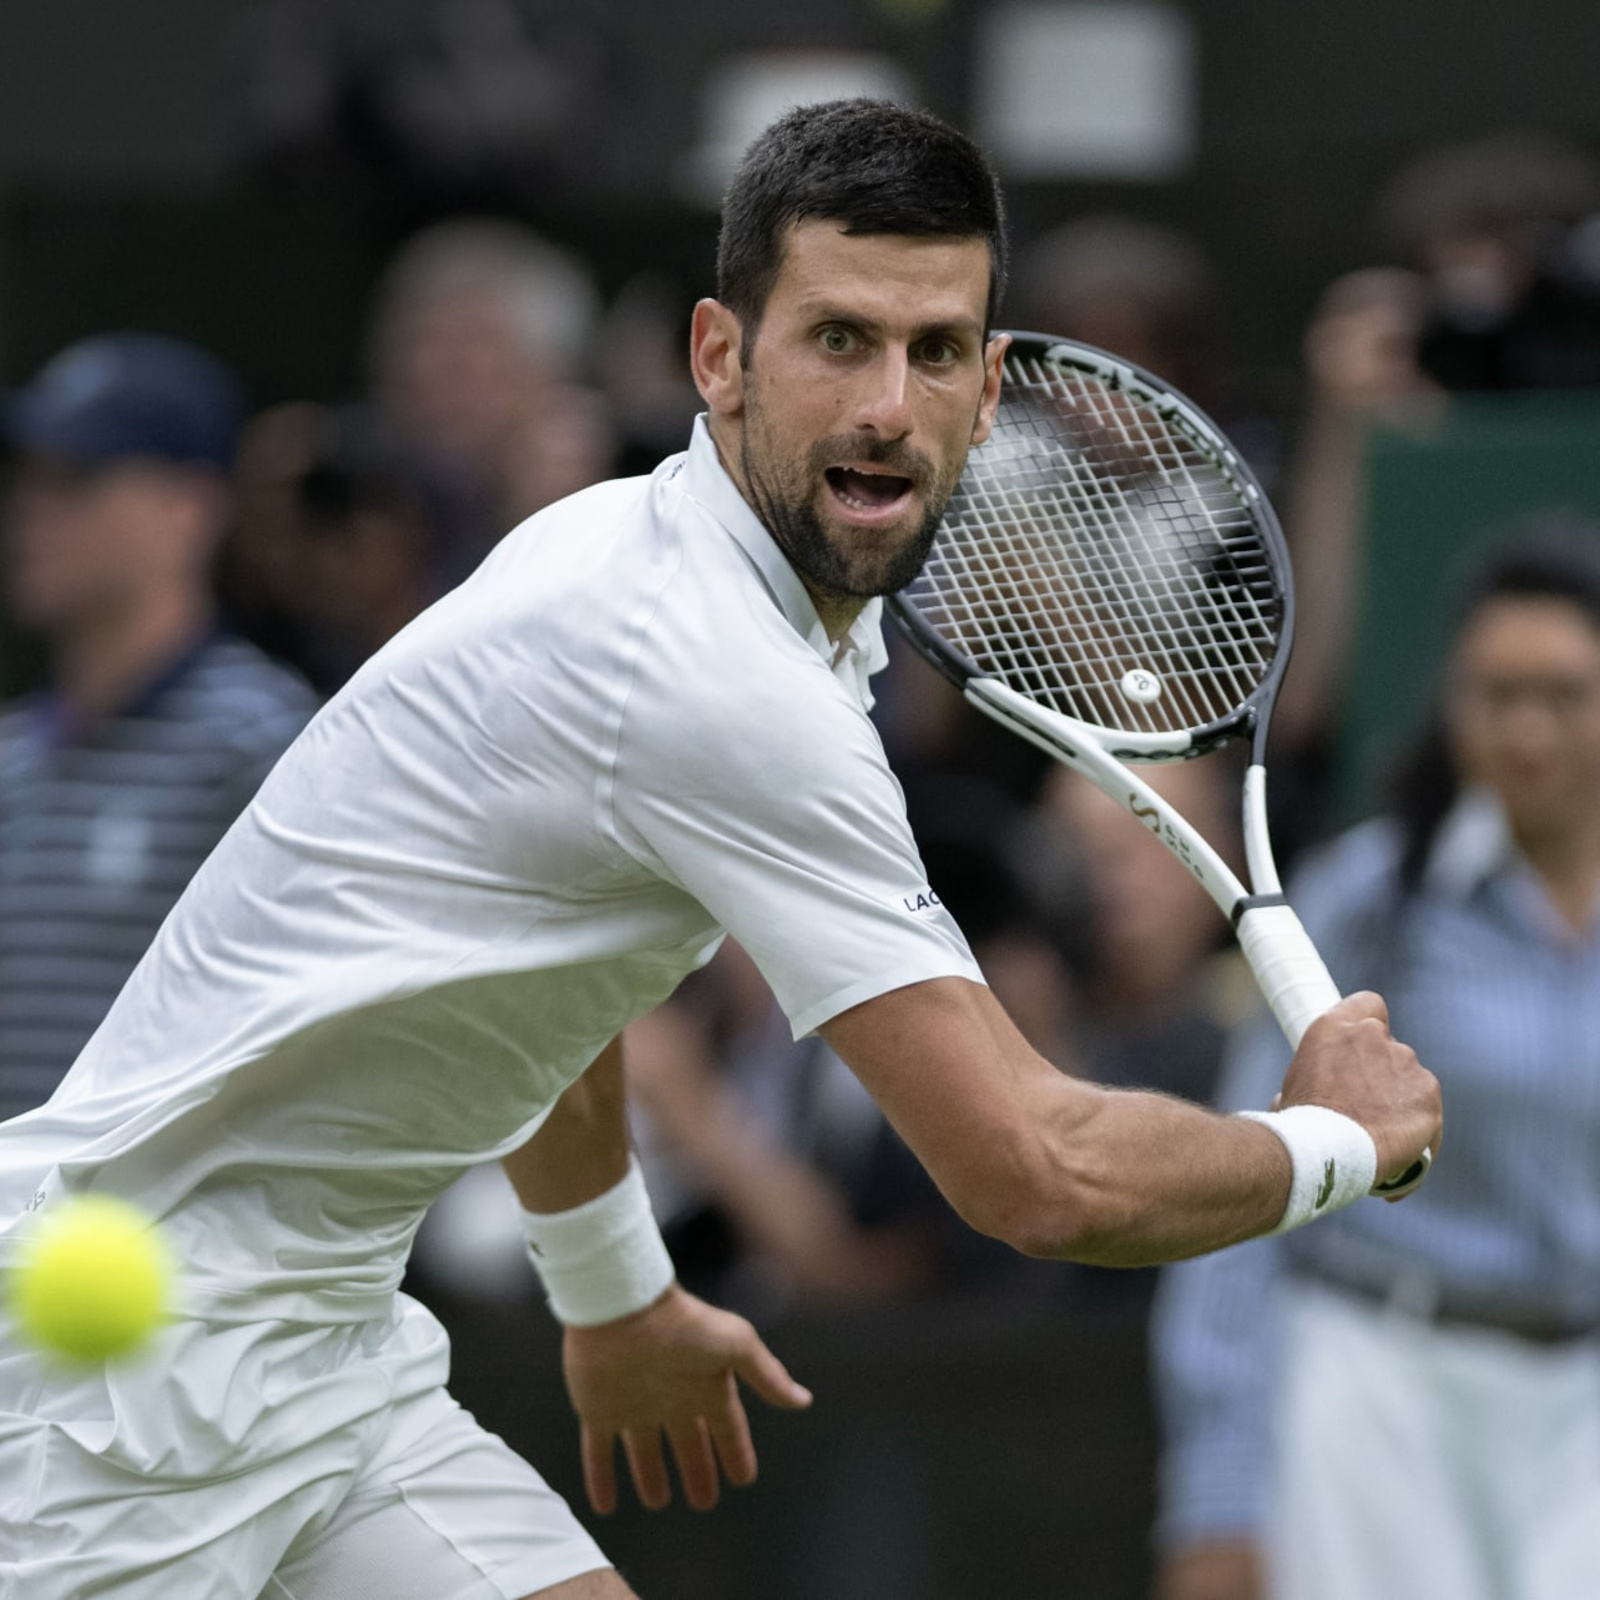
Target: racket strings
(1092,540)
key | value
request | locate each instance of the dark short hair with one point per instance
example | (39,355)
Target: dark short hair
(874,166)
(1550,553)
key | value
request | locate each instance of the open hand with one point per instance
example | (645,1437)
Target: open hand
(672,1370)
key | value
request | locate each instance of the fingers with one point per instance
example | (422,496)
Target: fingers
(1363,1003)
(730,1432)
(599,1470)
(697,1467)
(756,1365)
(692,1453)
(648,1466)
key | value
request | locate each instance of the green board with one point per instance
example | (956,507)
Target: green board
(1433,497)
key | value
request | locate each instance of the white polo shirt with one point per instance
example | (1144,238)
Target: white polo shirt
(515,830)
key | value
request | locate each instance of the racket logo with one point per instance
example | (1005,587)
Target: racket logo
(1141,687)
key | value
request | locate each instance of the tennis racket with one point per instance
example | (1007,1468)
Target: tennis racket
(1110,582)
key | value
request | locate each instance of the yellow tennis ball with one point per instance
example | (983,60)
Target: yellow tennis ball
(94,1278)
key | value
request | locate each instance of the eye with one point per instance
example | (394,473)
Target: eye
(939,352)
(837,340)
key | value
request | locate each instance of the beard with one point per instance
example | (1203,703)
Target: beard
(881,563)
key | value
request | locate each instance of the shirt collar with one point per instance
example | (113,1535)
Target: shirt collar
(1473,845)
(861,652)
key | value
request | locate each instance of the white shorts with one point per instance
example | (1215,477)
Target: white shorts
(1424,1459)
(269,1461)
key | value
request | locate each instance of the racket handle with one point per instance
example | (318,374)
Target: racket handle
(1297,987)
(1287,967)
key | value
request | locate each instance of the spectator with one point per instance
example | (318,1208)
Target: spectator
(1164,982)
(479,337)
(1160,982)
(1494,284)
(774,1173)
(1147,293)
(1407,1401)
(333,550)
(156,726)
(436,105)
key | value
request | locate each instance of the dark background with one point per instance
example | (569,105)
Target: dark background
(125,192)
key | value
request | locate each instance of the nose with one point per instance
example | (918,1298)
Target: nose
(885,403)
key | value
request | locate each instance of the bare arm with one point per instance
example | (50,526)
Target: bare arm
(581,1150)
(1058,1167)
(667,1373)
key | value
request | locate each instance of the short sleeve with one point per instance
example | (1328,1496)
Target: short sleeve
(772,803)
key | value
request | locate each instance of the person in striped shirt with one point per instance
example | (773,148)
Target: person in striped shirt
(1406,1400)
(157,726)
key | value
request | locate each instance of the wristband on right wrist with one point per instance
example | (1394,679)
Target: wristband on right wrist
(1335,1161)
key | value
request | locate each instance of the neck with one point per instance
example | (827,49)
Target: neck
(101,664)
(837,611)
(1567,863)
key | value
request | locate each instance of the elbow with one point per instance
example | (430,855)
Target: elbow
(1038,1209)
(1045,1206)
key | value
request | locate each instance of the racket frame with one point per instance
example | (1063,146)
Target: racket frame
(1290,972)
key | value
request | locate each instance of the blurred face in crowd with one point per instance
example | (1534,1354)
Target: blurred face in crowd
(1523,710)
(845,415)
(1153,923)
(457,375)
(91,544)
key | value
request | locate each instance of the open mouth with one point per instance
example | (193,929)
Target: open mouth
(865,491)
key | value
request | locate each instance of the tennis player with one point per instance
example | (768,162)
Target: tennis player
(642,723)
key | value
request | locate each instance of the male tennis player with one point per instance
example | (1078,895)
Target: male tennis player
(642,723)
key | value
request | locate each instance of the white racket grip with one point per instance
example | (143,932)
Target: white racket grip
(1287,967)
(1297,987)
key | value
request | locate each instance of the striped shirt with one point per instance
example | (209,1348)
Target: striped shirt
(1501,999)
(100,830)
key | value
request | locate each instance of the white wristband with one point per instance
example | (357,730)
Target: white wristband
(602,1260)
(1335,1160)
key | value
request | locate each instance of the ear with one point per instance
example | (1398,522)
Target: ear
(993,354)
(714,342)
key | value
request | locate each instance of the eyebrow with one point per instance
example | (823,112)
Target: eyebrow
(944,327)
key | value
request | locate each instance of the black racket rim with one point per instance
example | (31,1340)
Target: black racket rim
(1251,718)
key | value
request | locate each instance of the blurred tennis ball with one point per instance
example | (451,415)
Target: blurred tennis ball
(94,1279)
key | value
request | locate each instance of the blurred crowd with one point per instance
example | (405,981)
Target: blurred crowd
(196,576)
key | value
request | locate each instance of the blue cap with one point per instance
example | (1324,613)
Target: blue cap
(129,394)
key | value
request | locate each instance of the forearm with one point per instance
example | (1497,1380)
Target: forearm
(1055,1166)
(581,1149)
(1143,1179)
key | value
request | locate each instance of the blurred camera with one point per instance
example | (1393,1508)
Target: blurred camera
(1486,330)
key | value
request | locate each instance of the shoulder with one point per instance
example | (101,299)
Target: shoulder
(613,503)
(726,689)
